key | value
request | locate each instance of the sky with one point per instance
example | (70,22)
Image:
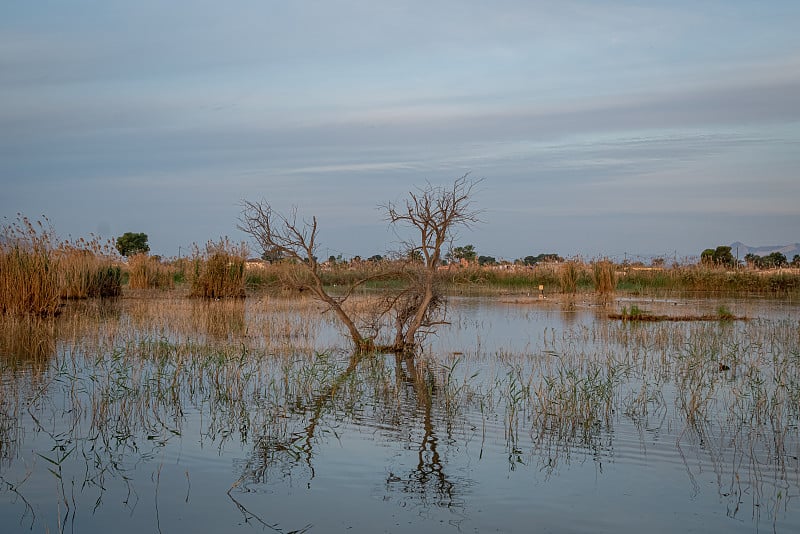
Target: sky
(596,128)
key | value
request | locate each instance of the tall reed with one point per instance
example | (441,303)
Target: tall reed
(88,269)
(29,281)
(147,272)
(568,277)
(604,275)
(219,271)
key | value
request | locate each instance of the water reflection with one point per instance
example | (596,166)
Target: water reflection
(222,320)
(27,343)
(98,405)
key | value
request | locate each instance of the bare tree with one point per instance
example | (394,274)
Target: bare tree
(434,212)
(296,240)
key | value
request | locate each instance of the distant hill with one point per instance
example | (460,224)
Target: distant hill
(787,250)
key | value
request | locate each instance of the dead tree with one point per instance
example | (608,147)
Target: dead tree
(296,240)
(434,212)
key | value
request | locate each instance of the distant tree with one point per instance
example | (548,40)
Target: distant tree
(467,252)
(376,258)
(707,256)
(486,260)
(542,258)
(719,256)
(796,260)
(770,261)
(776,259)
(131,243)
(272,255)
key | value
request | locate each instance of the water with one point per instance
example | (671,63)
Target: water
(521,415)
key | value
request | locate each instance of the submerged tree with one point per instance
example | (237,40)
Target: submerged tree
(433,213)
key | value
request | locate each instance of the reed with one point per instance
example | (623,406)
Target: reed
(711,279)
(148,272)
(509,277)
(219,271)
(604,276)
(568,277)
(29,280)
(88,269)
(37,270)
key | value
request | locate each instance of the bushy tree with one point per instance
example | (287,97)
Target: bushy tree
(467,252)
(719,256)
(542,258)
(131,243)
(770,261)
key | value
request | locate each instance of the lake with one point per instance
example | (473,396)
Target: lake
(160,413)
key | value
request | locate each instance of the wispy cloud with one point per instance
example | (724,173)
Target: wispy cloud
(572,109)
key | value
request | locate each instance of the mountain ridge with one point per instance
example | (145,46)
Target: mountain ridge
(741,250)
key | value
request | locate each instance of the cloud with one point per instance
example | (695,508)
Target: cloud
(569,109)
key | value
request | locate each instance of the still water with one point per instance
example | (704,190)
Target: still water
(520,415)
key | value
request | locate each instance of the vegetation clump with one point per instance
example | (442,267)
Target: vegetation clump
(604,275)
(637,314)
(568,277)
(29,281)
(88,269)
(37,270)
(219,271)
(149,272)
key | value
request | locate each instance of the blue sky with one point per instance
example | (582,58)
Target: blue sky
(598,128)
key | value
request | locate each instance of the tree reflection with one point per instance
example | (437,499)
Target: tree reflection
(429,476)
(280,451)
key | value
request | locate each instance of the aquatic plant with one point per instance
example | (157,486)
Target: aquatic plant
(218,271)
(604,275)
(149,272)
(29,282)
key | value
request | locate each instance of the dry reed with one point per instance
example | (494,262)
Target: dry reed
(604,275)
(29,282)
(568,277)
(37,270)
(147,272)
(88,269)
(219,271)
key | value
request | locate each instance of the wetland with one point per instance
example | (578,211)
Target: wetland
(154,412)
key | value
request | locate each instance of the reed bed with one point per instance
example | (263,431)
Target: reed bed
(88,269)
(29,281)
(37,270)
(601,276)
(710,279)
(148,272)
(219,271)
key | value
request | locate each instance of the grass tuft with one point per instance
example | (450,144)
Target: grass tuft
(219,272)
